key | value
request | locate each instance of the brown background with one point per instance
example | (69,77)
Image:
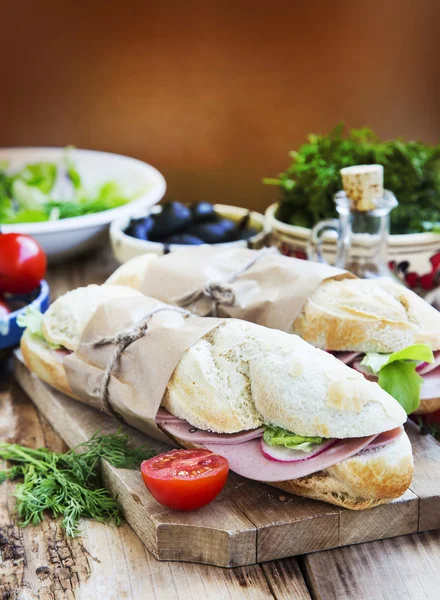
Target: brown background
(215,93)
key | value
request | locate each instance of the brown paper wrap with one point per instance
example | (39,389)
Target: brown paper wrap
(141,374)
(262,286)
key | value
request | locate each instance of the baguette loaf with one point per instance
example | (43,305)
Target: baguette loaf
(367,315)
(343,314)
(240,376)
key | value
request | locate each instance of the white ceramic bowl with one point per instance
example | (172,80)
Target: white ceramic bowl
(415,256)
(64,238)
(126,247)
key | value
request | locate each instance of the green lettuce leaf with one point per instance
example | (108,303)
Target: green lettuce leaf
(276,436)
(397,373)
(71,169)
(40,175)
(32,320)
(26,215)
(6,209)
(27,196)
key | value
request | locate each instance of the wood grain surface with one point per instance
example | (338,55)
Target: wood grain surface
(404,568)
(39,563)
(106,562)
(249,522)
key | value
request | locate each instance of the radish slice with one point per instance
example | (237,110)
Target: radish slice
(424,368)
(283,454)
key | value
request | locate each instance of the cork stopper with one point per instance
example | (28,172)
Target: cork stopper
(363,184)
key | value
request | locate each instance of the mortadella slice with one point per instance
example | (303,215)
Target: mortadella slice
(247,459)
(182,430)
(163,416)
(431,385)
(346,357)
(385,438)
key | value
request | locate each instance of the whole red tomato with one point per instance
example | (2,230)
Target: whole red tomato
(185,479)
(22,263)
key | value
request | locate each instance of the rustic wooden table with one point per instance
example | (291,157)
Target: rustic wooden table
(109,563)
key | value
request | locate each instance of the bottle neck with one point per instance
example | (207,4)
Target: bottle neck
(363,239)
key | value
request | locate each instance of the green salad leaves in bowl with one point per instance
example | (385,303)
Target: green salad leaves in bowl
(66,198)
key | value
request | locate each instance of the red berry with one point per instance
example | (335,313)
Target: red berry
(435,260)
(412,279)
(427,281)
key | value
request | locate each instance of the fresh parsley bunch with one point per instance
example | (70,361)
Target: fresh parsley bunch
(67,484)
(411,171)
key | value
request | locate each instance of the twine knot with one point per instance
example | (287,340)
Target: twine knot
(220,293)
(121,341)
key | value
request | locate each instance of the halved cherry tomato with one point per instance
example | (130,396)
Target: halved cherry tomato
(22,263)
(185,479)
(4,308)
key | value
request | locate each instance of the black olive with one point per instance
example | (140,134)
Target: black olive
(140,228)
(246,233)
(244,221)
(184,238)
(215,233)
(203,212)
(174,218)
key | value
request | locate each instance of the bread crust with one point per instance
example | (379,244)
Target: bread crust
(363,481)
(45,362)
(428,406)
(344,314)
(367,316)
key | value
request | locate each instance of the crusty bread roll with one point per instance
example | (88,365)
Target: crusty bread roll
(242,375)
(132,272)
(367,315)
(362,315)
(365,480)
(66,319)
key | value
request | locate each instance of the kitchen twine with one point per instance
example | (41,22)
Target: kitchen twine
(220,293)
(121,341)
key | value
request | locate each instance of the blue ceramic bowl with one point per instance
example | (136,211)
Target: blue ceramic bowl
(10,332)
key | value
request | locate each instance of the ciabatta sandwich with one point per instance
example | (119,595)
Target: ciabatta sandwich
(364,322)
(280,410)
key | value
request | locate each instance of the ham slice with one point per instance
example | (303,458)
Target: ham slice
(243,449)
(431,385)
(247,459)
(163,416)
(385,438)
(63,351)
(185,432)
(346,357)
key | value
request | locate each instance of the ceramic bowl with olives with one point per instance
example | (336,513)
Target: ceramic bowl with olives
(173,225)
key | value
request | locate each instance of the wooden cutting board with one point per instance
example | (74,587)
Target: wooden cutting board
(249,522)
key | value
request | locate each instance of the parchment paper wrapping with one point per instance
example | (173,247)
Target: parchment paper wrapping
(140,377)
(271,292)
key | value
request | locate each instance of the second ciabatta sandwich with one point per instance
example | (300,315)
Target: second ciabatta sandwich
(356,319)
(280,410)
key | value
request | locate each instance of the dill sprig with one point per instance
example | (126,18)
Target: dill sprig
(67,484)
